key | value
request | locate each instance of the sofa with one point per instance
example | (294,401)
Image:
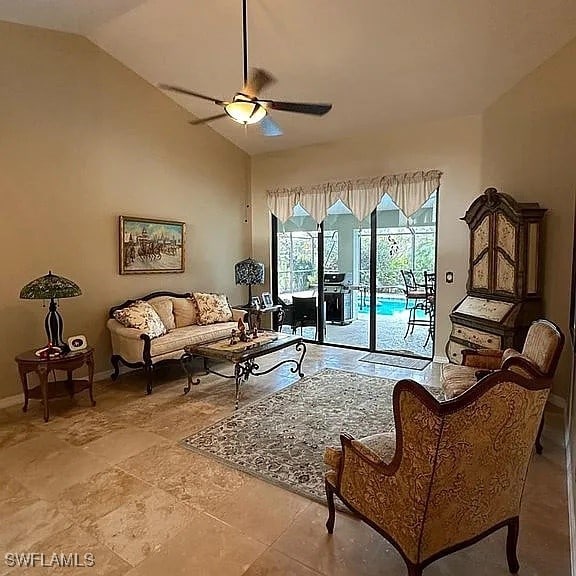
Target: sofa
(165,323)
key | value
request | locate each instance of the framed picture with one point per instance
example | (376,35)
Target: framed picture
(255,303)
(147,245)
(267,300)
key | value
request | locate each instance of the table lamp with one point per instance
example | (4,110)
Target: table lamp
(51,287)
(249,272)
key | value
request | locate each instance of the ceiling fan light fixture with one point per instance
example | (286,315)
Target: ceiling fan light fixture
(245,111)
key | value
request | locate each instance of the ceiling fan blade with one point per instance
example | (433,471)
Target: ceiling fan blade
(209,119)
(190,93)
(269,127)
(299,107)
(258,81)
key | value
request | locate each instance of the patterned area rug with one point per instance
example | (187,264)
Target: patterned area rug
(396,360)
(282,437)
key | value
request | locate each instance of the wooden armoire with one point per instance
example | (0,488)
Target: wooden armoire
(504,288)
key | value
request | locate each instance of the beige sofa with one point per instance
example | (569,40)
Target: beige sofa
(135,349)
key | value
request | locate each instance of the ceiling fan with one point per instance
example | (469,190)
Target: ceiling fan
(247,107)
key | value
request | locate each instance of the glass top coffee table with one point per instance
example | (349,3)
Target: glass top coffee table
(243,356)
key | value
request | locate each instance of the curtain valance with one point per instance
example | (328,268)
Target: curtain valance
(408,191)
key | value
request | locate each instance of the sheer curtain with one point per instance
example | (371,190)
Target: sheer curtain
(408,191)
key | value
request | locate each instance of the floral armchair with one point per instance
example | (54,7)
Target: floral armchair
(538,359)
(452,473)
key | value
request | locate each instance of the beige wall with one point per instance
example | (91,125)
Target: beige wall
(452,146)
(529,146)
(83,140)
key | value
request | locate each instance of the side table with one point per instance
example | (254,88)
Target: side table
(276,311)
(29,362)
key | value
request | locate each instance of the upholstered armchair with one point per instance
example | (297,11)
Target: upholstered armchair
(538,359)
(452,473)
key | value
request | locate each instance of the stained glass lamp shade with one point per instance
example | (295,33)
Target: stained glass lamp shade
(51,287)
(248,272)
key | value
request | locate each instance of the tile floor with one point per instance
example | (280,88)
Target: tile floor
(112,481)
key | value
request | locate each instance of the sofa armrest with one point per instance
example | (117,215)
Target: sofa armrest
(128,343)
(485,358)
(121,330)
(237,313)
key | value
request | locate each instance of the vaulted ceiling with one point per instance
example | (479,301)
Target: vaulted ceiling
(378,61)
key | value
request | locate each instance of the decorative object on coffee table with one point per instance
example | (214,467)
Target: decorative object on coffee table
(247,273)
(43,365)
(148,245)
(53,288)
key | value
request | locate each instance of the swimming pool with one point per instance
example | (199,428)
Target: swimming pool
(385,306)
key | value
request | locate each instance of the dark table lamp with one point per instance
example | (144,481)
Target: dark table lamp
(249,272)
(51,287)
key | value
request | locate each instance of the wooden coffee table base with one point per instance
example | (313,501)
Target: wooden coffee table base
(244,366)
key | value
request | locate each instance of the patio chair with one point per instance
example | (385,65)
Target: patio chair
(412,290)
(425,304)
(304,313)
(450,474)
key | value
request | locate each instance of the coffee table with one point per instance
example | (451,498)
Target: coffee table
(243,356)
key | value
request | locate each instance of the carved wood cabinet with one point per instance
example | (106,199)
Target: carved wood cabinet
(504,288)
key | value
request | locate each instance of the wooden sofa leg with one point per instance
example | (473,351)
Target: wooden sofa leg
(115,360)
(149,370)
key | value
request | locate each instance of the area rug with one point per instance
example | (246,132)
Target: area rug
(396,360)
(281,438)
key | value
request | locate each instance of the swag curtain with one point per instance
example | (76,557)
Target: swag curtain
(408,191)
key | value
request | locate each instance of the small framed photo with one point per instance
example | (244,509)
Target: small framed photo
(255,303)
(267,300)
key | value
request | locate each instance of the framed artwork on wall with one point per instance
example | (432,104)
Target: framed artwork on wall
(150,246)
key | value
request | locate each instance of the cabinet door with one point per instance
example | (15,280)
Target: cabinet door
(505,257)
(480,256)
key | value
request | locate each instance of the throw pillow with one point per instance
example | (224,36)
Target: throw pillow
(185,312)
(212,308)
(164,308)
(143,317)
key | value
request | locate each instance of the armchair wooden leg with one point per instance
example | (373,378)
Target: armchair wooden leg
(538,442)
(511,543)
(414,570)
(331,508)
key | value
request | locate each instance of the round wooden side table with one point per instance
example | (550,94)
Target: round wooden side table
(29,362)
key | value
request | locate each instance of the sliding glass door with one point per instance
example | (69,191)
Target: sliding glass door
(405,279)
(344,282)
(346,300)
(295,272)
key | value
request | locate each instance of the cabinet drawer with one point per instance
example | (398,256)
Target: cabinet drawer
(477,337)
(454,352)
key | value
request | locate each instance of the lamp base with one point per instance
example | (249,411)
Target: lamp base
(249,304)
(54,325)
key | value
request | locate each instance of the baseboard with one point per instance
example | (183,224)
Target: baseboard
(440,359)
(98,377)
(558,401)
(11,400)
